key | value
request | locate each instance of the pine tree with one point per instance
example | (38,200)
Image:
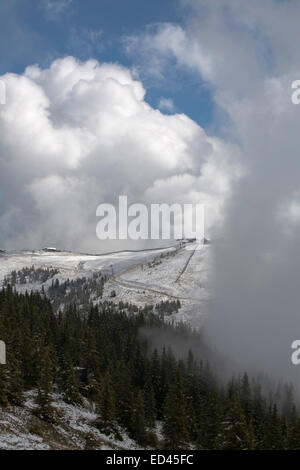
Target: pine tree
(155,373)
(106,408)
(91,358)
(175,428)
(288,401)
(208,419)
(259,411)
(15,381)
(234,432)
(69,383)
(139,421)
(30,360)
(124,395)
(3,386)
(273,435)
(150,404)
(45,409)
(293,432)
(245,396)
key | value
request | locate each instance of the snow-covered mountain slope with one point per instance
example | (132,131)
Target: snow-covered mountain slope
(75,429)
(73,265)
(181,274)
(141,277)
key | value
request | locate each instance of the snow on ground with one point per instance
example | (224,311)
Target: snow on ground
(21,430)
(14,434)
(181,274)
(141,277)
(72,265)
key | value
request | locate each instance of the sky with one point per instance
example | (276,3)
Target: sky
(184,101)
(39,31)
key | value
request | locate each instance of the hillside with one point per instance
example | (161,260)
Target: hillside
(102,354)
(143,277)
(120,377)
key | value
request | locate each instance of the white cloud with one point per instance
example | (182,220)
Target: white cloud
(81,133)
(166,104)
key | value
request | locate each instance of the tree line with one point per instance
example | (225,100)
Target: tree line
(104,357)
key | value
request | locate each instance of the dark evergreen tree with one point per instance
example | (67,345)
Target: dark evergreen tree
(245,396)
(150,404)
(293,431)
(3,386)
(106,408)
(15,383)
(234,431)
(44,408)
(175,426)
(138,421)
(273,432)
(69,384)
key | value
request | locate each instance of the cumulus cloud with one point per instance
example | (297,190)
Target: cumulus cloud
(81,133)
